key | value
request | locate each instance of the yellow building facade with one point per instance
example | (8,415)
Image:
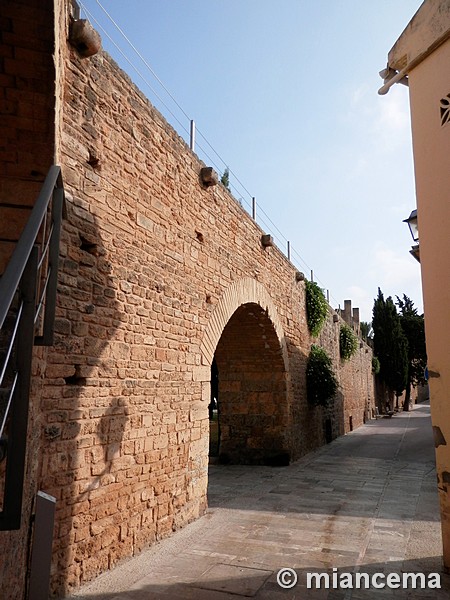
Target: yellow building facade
(422,56)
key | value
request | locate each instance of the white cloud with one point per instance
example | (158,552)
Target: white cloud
(396,273)
(394,270)
(392,122)
(384,120)
(358,98)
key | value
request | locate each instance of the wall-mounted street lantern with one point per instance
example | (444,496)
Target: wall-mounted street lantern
(414,229)
(412,223)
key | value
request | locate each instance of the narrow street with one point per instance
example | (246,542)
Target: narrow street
(366,503)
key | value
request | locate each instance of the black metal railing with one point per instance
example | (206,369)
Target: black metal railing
(27,313)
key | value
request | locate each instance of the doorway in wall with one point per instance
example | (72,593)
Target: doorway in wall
(248,410)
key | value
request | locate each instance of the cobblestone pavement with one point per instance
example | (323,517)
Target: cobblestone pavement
(366,503)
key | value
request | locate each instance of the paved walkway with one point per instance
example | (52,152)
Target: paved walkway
(366,503)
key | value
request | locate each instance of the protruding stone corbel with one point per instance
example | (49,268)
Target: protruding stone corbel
(267,240)
(299,276)
(84,38)
(208,177)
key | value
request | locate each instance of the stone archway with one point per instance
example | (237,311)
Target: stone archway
(246,339)
(243,291)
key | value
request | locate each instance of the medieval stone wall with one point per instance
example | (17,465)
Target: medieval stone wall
(147,254)
(158,274)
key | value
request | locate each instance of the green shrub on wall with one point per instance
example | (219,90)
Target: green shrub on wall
(348,342)
(321,382)
(316,307)
(375,365)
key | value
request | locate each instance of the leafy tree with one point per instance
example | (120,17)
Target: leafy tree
(414,330)
(390,345)
(225,179)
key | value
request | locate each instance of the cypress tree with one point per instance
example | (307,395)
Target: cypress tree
(390,345)
(414,329)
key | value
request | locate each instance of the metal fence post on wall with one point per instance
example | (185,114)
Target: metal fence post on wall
(254,208)
(289,250)
(192,136)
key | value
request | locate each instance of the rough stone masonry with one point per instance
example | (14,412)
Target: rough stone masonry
(159,275)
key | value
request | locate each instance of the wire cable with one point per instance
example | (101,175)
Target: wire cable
(143,59)
(91,16)
(269,223)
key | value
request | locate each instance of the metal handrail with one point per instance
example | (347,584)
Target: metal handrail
(11,344)
(42,297)
(8,404)
(47,246)
(10,279)
(33,280)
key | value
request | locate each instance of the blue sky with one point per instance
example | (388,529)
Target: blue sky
(285,91)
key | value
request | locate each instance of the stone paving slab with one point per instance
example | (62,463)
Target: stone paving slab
(366,503)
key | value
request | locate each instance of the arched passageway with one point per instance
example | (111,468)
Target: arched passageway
(251,392)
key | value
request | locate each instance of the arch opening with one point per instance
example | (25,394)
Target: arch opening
(249,409)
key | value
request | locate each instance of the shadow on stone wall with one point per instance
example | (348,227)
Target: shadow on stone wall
(84,406)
